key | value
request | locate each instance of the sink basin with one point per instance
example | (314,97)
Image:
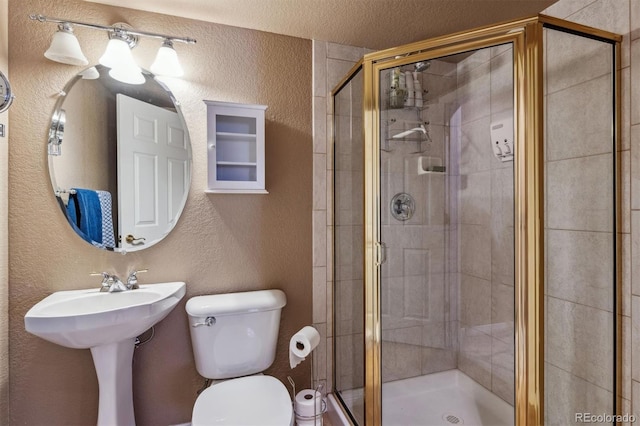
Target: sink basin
(106,323)
(82,319)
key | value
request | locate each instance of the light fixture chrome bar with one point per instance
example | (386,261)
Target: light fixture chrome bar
(42,18)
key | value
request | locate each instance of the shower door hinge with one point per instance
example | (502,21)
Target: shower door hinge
(381,253)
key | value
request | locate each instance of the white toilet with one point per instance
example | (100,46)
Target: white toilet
(234,335)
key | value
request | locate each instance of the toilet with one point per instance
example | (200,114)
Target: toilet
(234,338)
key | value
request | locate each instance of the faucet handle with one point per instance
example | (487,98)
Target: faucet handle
(132,279)
(107,280)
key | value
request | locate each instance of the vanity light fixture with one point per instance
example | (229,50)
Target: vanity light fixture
(66,49)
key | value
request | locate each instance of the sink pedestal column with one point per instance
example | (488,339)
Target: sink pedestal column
(113,364)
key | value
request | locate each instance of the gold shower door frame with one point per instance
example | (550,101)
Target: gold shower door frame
(526,36)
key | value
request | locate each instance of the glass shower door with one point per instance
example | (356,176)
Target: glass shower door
(348,247)
(446,211)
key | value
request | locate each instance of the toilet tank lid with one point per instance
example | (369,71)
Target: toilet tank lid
(234,303)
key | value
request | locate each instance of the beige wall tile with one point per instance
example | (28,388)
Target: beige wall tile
(474,91)
(474,198)
(319,72)
(576,125)
(346,53)
(609,15)
(435,360)
(502,81)
(579,193)
(502,311)
(625,192)
(475,259)
(319,238)
(634,169)
(566,395)
(401,361)
(319,182)
(625,274)
(564,8)
(590,59)
(580,267)
(635,338)
(475,154)
(475,301)
(319,124)
(319,294)
(474,358)
(635,400)
(337,69)
(503,370)
(626,350)
(635,82)
(625,109)
(635,252)
(579,340)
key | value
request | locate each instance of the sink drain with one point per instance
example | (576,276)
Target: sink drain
(453,419)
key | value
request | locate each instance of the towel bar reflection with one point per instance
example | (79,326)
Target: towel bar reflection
(65,191)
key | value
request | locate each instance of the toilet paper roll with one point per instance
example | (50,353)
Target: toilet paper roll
(308,403)
(301,344)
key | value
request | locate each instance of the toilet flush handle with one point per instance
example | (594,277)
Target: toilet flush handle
(209,321)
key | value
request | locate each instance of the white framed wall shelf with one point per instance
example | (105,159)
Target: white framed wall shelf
(235,145)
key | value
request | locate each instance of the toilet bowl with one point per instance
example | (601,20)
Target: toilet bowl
(234,338)
(253,400)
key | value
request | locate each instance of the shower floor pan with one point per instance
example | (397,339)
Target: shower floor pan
(439,399)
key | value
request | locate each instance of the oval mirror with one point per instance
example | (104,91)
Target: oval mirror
(119,160)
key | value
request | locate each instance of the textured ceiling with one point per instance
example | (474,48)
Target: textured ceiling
(376,24)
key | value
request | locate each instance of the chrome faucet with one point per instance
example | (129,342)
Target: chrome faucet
(111,283)
(132,279)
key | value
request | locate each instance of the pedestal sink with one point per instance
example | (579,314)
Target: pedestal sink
(106,323)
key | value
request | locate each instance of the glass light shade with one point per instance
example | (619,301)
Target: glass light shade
(166,62)
(117,53)
(65,49)
(118,57)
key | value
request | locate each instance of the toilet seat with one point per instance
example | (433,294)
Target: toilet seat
(253,400)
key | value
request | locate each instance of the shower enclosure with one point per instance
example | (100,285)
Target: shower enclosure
(475,228)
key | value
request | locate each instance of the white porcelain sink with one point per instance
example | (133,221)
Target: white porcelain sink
(106,323)
(82,319)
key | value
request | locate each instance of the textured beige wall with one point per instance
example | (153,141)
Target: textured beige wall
(4,247)
(222,242)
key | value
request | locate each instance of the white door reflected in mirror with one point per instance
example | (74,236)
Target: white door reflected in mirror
(152,170)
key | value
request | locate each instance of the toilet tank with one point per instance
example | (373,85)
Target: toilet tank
(241,338)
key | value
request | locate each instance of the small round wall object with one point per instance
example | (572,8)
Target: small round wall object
(402,206)
(6,94)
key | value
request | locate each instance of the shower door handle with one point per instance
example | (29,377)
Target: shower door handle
(381,253)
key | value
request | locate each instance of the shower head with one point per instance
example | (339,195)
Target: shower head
(422,66)
(401,135)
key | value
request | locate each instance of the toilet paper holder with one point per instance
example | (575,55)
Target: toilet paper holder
(302,414)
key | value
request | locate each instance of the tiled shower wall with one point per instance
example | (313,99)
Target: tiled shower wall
(485,222)
(569,384)
(331,63)
(418,292)
(579,191)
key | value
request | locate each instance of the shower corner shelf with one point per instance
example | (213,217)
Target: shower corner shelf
(235,142)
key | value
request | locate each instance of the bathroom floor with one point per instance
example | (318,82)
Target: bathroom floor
(439,399)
